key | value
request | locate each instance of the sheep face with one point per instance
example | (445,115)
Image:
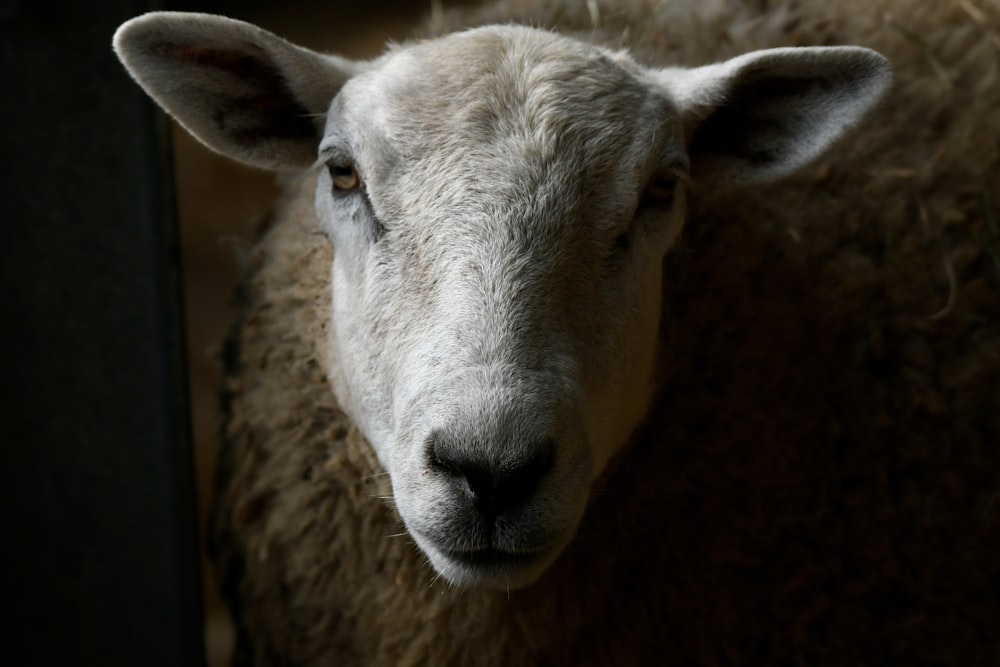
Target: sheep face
(499,203)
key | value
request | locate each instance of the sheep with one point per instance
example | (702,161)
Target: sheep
(785,451)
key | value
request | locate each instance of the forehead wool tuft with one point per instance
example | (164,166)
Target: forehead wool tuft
(518,92)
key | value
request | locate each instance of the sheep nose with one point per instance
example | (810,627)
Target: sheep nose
(492,487)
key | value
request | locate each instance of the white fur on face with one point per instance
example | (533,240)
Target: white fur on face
(496,282)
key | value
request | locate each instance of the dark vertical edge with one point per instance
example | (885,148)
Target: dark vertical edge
(185,502)
(97,491)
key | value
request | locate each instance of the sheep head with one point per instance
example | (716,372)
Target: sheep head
(499,202)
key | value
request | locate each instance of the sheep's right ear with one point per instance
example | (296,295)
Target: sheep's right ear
(242,91)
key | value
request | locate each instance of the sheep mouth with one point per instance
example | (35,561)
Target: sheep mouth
(494,568)
(494,559)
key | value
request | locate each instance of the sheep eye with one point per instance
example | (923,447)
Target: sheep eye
(344,176)
(661,189)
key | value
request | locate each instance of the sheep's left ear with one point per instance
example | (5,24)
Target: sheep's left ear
(763,115)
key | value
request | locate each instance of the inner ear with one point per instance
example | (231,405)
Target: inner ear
(242,91)
(766,122)
(765,114)
(751,125)
(254,102)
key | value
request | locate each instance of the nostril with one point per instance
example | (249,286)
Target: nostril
(496,486)
(523,478)
(442,461)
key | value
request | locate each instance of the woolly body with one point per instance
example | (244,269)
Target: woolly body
(815,481)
